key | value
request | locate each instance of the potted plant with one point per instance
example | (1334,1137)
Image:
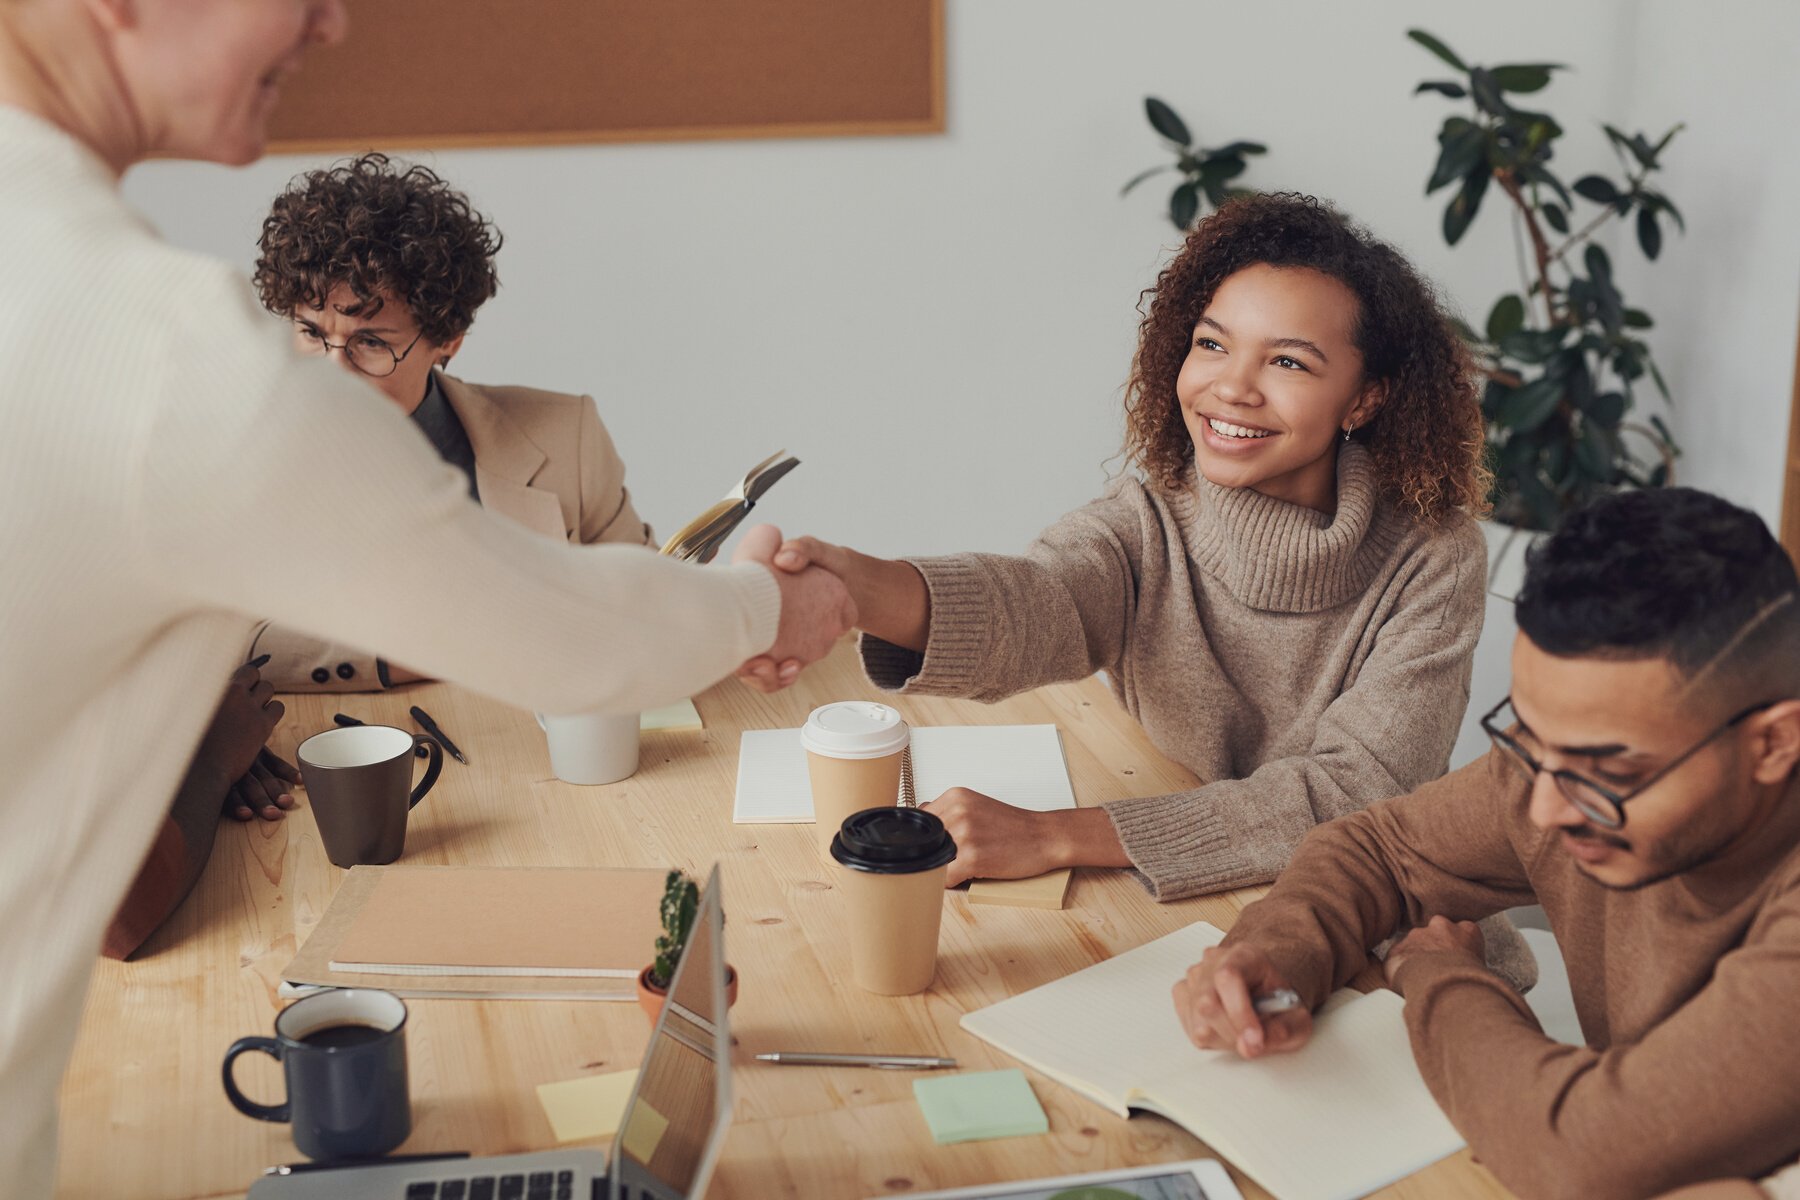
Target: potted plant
(1204,173)
(1562,354)
(680,901)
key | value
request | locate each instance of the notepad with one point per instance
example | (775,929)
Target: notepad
(670,718)
(1343,1116)
(505,921)
(979,1105)
(1022,765)
(589,1107)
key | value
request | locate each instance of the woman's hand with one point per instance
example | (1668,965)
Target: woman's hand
(994,840)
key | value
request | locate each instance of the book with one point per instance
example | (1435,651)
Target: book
(430,932)
(699,540)
(1022,765)
(1346,1114)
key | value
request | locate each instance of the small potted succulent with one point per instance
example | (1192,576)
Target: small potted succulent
(680,901)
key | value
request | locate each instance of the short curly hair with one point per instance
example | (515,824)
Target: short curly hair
(1426,438)
(378,227)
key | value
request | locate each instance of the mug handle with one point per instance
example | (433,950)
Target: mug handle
(431,769)
(245,1105)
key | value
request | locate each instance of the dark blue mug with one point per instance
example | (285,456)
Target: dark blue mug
(343,1054)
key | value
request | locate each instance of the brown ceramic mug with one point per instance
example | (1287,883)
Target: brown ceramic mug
(359,786)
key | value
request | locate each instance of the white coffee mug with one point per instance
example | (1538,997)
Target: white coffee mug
(592,747)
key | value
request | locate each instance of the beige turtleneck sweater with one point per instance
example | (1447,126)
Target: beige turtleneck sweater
(1304,664)
(1685,988)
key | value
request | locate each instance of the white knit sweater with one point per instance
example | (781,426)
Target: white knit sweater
(170,469)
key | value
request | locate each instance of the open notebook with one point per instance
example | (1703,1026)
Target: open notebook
(1341,1117)
(1022,765)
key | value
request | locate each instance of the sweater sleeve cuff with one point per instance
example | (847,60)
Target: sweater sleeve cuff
(760,598)
(957,644)
(1434,980)
(1179,846)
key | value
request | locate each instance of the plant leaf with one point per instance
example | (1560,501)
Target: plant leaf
(1649,233)
(1461,151)
(1664,389)
(1240,148)
(1184,205)
(1608,408)
(1663,430)
(1523,77)
(1664,204)
(1637,318)
(1507,316)
(1533,345)
(1464,205)
(1221,167)
(1555,217)
(1143,175)
(1164,120)
(1455,91)
(1436,47)
(1534,173)
(1487,92)
(1530,406)
(1597,452)
(1597,188)
(1598,264)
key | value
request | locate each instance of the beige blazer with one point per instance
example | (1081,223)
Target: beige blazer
(541,458)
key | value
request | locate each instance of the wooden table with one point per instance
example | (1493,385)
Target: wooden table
(144,1114)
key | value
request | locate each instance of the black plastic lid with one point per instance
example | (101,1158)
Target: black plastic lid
(892,841)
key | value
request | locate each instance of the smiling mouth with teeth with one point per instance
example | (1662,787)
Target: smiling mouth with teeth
(1226,429)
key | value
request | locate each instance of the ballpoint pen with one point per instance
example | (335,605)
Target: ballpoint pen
(430,726)
(1278,1001)
(892,1062)
(390,1160)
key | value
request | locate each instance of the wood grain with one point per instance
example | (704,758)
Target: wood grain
(144,1115)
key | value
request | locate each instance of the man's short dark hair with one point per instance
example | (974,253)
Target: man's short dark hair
(1669,573)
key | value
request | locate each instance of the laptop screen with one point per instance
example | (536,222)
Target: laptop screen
(672,1129)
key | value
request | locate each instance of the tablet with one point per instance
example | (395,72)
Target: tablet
(1200,1179)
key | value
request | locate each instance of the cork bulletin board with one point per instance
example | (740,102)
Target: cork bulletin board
(433,73)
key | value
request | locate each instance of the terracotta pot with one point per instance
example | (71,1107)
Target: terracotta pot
(650,997)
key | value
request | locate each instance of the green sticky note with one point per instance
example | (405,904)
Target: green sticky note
(979,1105)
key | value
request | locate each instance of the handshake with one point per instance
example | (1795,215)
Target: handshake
(818,603)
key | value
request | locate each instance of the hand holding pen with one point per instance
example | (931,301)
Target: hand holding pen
(1236,999)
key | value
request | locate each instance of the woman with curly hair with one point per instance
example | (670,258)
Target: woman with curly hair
(1287,599)
(383,266)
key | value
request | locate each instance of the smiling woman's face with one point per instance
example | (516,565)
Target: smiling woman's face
(204,75)
(1271,380)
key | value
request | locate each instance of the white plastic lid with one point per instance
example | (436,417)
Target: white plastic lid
(855,729)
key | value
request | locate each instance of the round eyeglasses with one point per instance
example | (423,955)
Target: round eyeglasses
(363,351)
(1595,801)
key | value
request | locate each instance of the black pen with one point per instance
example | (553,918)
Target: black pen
(297,1168)
(346,720)
(259,662)
(430,726)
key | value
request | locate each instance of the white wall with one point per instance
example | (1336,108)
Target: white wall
(939,325)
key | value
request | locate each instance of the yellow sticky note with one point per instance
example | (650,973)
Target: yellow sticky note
(644,1134)
(580,1109)
(673,717)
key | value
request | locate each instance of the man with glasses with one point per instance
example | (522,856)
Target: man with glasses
(1642,788)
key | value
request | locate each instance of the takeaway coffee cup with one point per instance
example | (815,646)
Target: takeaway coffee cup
(343,1056)
(893,863)
(357,780)
(853,752)
(592,747)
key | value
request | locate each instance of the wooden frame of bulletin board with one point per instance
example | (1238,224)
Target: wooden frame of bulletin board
(437,73)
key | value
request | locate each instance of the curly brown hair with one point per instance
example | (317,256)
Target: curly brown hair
(1426,438)
(377,228)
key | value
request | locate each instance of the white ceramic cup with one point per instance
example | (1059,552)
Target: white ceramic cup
(592,748)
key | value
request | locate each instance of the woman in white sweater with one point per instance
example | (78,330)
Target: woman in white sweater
(155,430)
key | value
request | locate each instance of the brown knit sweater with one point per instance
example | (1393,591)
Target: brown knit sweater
(1686,988)
(1304,665)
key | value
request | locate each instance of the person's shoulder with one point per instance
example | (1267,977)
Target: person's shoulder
(1451,541)
(525,401)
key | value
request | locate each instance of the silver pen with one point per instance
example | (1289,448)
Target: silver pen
(1278,1001)
(892,1062)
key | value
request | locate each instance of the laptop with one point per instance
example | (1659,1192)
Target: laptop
(1196,1179)
(670,1134)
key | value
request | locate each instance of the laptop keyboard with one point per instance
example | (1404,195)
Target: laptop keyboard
(538,1185)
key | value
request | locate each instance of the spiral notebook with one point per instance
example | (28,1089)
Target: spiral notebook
(1343,1116)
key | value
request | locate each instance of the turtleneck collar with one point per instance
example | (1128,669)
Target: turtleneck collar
(1282,557)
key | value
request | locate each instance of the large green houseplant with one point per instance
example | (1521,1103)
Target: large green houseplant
(1563,354)
(1206,175)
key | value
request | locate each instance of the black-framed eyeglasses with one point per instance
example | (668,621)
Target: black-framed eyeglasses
(1597,802)
(364,351)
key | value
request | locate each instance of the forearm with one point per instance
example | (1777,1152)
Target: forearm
(1084,837)
(892,601)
